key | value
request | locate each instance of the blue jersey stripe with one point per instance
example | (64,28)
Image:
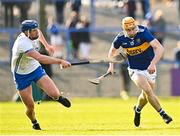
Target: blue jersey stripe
(29,50)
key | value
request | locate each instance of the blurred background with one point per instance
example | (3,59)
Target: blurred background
(84,29)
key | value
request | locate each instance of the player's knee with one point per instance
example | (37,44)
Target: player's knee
(148,92)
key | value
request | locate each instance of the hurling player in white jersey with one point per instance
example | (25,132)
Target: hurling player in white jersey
(26,68)
(143,53)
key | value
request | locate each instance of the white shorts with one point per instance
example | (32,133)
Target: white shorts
(133,73)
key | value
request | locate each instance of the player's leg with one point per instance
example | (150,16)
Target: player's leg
(26,97)
(47,84)
(142,101)
(167,119)
(143,83)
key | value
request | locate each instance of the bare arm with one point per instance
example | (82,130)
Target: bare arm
(111,54)
(47,59)
(158,50)
(42,39)
(48,47)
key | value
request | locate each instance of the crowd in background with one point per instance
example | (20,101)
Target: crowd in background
(81,39)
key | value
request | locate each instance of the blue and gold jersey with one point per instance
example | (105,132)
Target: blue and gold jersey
(138,49)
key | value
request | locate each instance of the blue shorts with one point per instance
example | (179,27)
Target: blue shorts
(23,81)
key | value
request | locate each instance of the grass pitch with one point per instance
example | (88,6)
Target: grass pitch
(90,116)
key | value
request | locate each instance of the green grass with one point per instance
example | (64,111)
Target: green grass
(90,116)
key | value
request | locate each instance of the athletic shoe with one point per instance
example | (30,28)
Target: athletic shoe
(36,126)
(64,101)
(137,117)
(167,119)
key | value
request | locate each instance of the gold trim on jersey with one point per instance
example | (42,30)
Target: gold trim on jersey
(137,50)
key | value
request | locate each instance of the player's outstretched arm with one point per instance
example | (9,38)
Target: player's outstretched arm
(47,59)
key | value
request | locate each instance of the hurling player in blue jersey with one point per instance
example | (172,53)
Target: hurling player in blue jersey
(143,53)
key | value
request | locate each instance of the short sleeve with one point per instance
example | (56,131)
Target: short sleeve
(25,46)
(116,42)
(148,36)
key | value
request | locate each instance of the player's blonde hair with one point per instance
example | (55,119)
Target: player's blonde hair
(128,23)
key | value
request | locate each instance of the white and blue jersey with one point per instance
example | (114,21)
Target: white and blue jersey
(138,49)
(21,63)
(25,69)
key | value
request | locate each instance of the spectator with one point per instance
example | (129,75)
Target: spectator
(9,11)
(84,38)
(71,24)
(24,6)
(145,5)
(76,5)
(9,15)
(177,55)
(158,25)
(131,8)
(55,37)
(59,6)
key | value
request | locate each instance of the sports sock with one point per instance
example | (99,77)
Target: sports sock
(138,109)
(161,112)
(59,99)
(34,122)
